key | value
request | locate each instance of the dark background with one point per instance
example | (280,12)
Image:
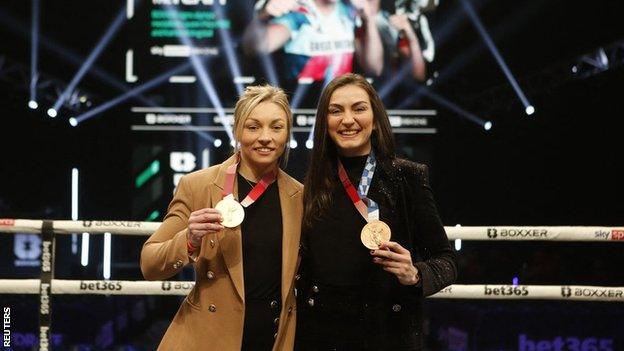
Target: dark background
(560,166)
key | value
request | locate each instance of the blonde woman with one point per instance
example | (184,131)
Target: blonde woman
(238,223)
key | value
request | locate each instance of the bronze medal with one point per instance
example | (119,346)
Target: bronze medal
(374,234)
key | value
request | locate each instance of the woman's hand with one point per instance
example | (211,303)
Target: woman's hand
(202,222)
(398,261)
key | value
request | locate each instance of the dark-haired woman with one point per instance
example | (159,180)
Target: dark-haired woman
(373,243)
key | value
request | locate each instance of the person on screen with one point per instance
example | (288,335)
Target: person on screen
(400,41)
(244,265)
(371,255)
(320,37)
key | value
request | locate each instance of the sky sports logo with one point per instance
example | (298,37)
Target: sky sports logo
(617,234)
(7,222)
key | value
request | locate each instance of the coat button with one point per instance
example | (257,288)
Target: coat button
(210,275)
(311,302)
(298,276)
(275,336)
(212,308)
(396,308)
(177,264)
(315,288)
(274,304)
(290,309)
(276,321)
(212,243)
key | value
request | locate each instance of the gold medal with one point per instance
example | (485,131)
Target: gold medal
(233,213)
(374,234)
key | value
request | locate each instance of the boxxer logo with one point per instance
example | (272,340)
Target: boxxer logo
(491,233)
(566,291)
(166,286)
(517,233)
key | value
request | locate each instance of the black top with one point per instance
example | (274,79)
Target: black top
(337,256)
(262,243)
(262,265)
(390,315)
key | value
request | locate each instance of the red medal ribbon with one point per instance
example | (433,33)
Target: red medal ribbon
(353,194)
(257,190)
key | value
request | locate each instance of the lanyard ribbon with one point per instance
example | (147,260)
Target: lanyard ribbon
(257,190)
(367,207)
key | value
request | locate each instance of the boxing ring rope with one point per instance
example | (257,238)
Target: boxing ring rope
(456,291)
(47,285)
(474,233)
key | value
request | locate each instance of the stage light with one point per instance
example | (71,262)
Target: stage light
(52,112)
(218,143)
(293,144)
(107,256)
(515,281)
(101,45)
(69,56)
(34,52)
(530,110)
(458,244)
(487,125)
(309,144)
(73,122)
(33,104)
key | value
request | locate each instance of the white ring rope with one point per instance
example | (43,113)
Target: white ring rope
(489,233)
(457,291)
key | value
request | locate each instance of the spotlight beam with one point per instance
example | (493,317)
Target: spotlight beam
(508,25)
(133,92)
(452,106)
(95,53)
(226,40)
(392,83)
(269,69)
(34,50)
(299,94)
(70,56)
(201,72)
(494,51)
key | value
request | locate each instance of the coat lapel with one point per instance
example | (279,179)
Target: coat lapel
(230,240)
(291,206)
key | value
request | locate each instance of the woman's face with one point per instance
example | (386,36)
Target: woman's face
(264,135)
(350,120)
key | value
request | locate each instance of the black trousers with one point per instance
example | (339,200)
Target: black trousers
(261,323)
(342,320)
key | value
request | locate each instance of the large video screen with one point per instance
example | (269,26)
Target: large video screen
(197,56)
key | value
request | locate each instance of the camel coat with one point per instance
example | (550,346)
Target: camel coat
(211,317)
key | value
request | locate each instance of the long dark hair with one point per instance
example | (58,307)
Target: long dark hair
(320,182)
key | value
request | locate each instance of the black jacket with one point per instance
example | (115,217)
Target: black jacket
(393,313)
